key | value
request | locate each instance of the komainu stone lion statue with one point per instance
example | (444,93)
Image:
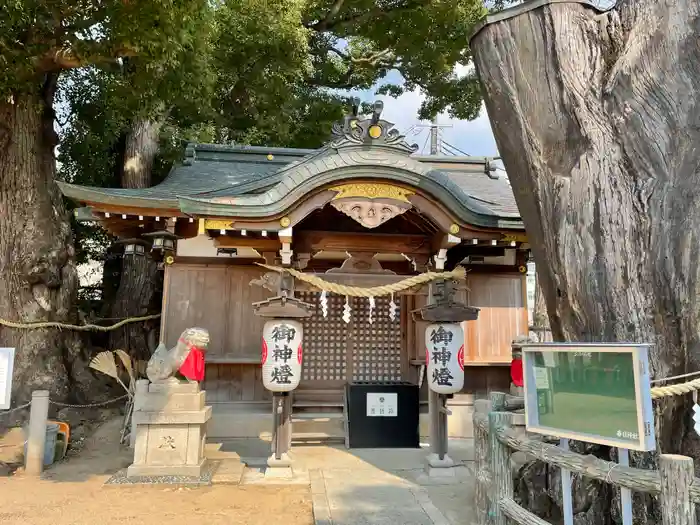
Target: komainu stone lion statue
(187,357)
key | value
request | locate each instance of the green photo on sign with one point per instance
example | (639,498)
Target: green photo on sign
(590,392)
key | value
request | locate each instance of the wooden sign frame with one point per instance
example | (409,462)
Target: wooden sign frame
(6,378)
(645,419)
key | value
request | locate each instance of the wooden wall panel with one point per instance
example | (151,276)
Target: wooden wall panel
(503,315)
(225,383)
(197,296)
(218,298)
(244,328)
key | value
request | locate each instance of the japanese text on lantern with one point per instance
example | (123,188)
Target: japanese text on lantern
(281,355)
(444,356)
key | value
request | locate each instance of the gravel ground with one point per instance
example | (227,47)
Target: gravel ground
(73,493)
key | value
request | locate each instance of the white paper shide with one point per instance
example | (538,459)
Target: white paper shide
(444,354)
(281,355)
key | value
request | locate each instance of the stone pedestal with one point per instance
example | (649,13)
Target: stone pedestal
(170,430)
(439,468)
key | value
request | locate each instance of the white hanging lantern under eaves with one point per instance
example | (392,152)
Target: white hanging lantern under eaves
(281,355)
(444,355)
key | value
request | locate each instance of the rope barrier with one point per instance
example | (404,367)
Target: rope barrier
(675,390)
(458,273)
(671,378)
(81,328)
(66,405)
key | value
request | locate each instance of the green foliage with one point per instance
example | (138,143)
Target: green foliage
(360,41)
(40,36)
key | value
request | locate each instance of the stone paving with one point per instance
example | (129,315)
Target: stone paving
(369,486)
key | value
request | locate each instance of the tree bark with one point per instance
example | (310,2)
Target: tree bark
(596,116)
(140,153)
(38,278)
(140,284)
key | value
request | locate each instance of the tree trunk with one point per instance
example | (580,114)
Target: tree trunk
(596,116)
(140,153)
(140,284)
(38,278)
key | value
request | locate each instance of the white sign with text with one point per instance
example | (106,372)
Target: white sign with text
(382,405)
(7,361)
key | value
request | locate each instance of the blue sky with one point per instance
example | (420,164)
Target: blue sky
(472,137)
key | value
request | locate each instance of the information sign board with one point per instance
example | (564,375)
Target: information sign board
(599,393)
(7,361)
(382,405)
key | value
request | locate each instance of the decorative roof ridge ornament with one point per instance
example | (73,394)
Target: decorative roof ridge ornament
(490,168)
(373,131)
(190,154)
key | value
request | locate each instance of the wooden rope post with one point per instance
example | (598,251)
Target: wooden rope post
(677,474)
(481,462)
(501,477)
(498,401)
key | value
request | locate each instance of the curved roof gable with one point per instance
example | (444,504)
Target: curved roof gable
(254,182)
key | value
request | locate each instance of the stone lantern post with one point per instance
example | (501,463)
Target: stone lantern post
(282,365)
(444,354)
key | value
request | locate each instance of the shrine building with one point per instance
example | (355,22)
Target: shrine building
(364,210)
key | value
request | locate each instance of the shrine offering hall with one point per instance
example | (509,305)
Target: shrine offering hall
(363,212)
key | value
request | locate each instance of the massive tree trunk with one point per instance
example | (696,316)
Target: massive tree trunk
(140,153)
(38,279)
(140,283)
(597,118)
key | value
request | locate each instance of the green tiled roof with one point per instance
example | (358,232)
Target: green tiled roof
(257,181)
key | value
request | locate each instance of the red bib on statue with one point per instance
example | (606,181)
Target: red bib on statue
(193,367)
(516,372)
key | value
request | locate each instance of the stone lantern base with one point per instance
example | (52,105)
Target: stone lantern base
(170,420)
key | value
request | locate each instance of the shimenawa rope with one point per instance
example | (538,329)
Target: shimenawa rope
(83,328)
(675,390)
(458,273)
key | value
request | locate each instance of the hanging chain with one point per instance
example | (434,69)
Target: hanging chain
(65,405)
(11,410)
(93,405)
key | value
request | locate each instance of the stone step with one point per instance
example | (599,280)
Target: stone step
(229,472)
(317,416)
(322,437)
(314,404)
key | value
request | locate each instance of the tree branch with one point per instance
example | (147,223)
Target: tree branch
(61,58)
(377,12)
(332,12)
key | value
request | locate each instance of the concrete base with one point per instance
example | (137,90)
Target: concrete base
(278,473)
(283,462)
(169,470)
(440,468)
(433,460)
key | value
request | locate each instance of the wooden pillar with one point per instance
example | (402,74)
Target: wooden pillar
(502,479)
(677,474)
(282,424)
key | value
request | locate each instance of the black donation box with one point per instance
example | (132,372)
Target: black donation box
(383,414)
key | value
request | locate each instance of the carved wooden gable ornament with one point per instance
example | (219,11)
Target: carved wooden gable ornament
(371,204)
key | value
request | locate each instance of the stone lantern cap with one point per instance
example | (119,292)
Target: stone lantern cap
(283,307)
(443,308)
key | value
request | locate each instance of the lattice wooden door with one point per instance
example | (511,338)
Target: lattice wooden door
(336,352)
(376,349)
(325,344)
